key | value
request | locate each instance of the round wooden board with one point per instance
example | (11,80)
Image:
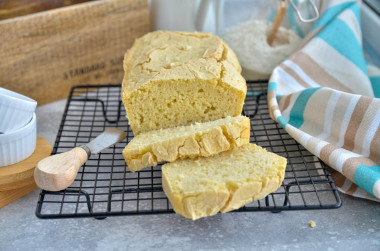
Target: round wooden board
(9,196)
(21,174)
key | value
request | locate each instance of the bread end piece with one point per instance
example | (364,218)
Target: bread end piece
(204,186)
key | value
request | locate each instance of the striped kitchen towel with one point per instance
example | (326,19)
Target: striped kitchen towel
(327,98)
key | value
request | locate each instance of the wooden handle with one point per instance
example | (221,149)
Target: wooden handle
(277,21)
(57,172)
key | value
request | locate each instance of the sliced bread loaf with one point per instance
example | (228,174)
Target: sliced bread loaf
(204,186)
(179,78)
(200,139)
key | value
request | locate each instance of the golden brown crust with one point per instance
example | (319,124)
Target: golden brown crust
(176,62)
(153,54)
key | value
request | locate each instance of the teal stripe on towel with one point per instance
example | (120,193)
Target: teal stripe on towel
(296,114)
(330,14)
(356,10)
(272,86)
(375,81)
(367,176)
(282,121)
(346,43)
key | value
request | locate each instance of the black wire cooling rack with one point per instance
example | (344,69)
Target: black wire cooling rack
(105,187)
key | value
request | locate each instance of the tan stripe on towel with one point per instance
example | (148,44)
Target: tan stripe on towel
(295,76)
(314,114)
(375,146)
(352,189)
(316,72)
(271,94)
(356,118)
(326,152)
(271,112)
(360,138)
(280,101)
(307,38)
(338,118)
(286,102)
(272,108)
(351,164)
(312,144)
(338,178)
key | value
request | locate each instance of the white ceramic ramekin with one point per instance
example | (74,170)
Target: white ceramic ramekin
(18,145)
(16,110)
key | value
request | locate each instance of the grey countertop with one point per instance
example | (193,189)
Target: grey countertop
(354,226)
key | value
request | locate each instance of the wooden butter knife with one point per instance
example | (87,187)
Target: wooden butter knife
(57,172)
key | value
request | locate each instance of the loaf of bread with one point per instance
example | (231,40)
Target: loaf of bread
(200,139)
(204,186)
(177,78)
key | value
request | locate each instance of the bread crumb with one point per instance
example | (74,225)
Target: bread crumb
(312,224)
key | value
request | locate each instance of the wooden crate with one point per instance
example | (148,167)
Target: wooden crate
(44,54)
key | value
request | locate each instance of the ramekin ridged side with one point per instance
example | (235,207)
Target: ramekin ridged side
(18,145)
(16,110)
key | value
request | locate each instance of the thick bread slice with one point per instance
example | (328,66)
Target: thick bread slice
(179,78)
(204,186)
(200,139)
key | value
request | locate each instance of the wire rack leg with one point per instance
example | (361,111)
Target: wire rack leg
(103,108)
(267,204)
(82,192)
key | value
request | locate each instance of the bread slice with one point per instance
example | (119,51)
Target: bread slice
(204,186)
(200,139)
(179,78)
